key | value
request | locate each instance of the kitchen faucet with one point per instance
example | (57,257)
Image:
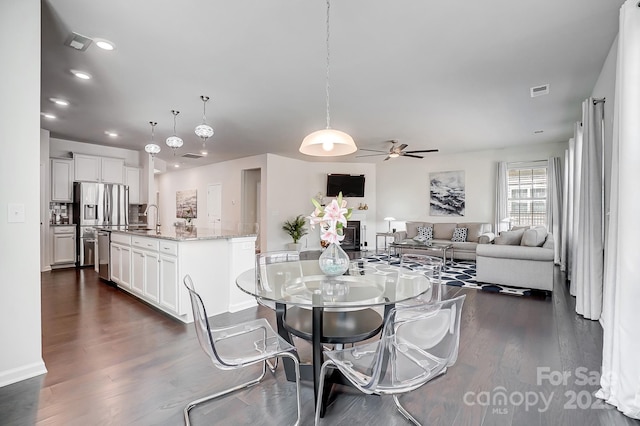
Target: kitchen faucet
(157,216)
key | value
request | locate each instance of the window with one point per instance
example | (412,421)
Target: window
(527,202)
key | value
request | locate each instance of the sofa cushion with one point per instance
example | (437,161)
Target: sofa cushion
(459,235)
(474,230)
(514,252)
(511,238)
(534,237)
(412,228)
(443,231)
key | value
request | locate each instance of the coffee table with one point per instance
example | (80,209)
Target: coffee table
(441,248)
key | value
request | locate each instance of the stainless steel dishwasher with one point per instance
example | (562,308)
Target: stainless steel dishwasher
(104,255)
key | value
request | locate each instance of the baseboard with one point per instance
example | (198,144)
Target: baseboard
(242,306)
(22,373)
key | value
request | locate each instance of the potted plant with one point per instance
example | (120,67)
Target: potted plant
(296,229)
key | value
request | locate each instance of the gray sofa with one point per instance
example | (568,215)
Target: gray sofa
(519,258)
(477,234)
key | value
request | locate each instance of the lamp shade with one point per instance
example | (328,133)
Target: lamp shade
(328,143)
(152,148)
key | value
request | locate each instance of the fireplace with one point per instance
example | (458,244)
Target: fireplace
(351,236)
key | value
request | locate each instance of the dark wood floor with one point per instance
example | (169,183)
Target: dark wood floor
(115,361)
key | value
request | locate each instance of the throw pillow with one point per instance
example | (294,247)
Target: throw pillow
(426,232)
(510,238)
(459,235)
(534,237)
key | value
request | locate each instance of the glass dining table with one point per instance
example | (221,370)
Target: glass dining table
(302,284)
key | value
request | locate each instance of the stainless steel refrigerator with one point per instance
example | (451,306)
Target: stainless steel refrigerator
(97,204)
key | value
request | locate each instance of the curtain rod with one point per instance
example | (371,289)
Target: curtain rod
(598,100)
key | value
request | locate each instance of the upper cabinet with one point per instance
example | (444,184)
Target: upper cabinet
(89,168)
(132,179)
(62,180)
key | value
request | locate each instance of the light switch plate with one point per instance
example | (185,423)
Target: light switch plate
(15,213)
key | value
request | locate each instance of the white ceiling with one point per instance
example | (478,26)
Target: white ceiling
(433,74)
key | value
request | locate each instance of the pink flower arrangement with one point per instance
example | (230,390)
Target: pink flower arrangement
(332,219)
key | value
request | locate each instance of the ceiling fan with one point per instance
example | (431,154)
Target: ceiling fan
(397,150)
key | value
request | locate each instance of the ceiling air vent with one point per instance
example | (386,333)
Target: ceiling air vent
(540,90)
(191,155)
(77,41)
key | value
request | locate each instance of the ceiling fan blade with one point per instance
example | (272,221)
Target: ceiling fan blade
(386,158)
(403,146)
(411,155)
(370,155)
(372,150)
(422,150)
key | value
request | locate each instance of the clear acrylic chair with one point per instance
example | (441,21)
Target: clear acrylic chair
(284,263)
(415,348)
(429,266)
(238,346)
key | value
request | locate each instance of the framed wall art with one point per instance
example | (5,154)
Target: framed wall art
(446,193)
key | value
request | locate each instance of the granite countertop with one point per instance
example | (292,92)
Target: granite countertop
(175,233)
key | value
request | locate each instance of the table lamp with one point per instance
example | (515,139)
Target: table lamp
(389,219)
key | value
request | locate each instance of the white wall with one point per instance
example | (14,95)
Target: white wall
(228,173)
(21,355)
(605,88)
(318,183)
(403,184)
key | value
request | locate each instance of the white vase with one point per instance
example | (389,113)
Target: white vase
(334,261)
(294,246)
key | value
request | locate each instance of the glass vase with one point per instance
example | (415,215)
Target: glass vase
(334,261)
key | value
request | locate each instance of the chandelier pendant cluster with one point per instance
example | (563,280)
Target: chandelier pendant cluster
(204,131)
(328,142)
(174,142)
(152,148)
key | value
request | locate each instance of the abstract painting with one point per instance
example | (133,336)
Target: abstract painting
(446,193)
(187,204)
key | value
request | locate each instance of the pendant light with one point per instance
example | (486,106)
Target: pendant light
(174,142)
(151,147)
(204,131)
(328,142)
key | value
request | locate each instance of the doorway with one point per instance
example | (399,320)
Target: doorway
(214,206)
(250,212)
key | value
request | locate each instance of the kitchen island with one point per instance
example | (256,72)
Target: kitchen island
(151,266)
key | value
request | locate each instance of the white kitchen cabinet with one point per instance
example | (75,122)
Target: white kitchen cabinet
(132,179)
(112,170)
(90,168)
(137,271)
(64,245)
(170,288)
(144,267)
(62,180)
(121,265)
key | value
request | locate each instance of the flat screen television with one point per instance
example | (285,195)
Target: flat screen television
(349,185)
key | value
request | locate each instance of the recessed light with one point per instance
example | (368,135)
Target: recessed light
(204,152)
(81,74)
(59,101)
(112,134)
(104,44)
(176,166)
(47,115)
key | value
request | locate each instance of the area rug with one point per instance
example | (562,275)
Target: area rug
(460,273)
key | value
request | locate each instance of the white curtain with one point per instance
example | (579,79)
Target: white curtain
(502,188)
(567,210)
(588,244)
(621,344)
(575,152)
(554,205)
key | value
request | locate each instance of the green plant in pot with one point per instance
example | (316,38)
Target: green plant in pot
(296,228)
